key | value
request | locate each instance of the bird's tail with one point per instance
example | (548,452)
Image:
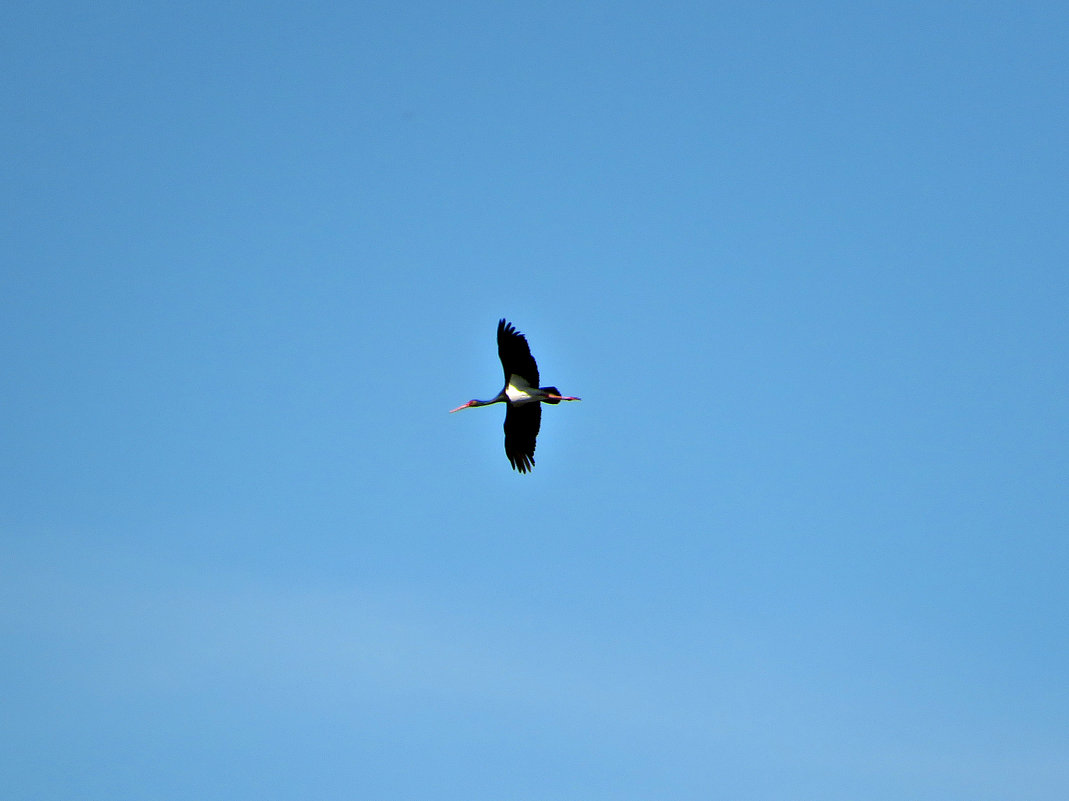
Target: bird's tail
(551,391)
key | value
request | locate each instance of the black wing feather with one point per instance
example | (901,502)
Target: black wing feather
(516,358)
(521,431)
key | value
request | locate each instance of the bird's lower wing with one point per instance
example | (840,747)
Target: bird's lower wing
(521,431)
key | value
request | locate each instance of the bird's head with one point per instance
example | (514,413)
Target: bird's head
(467,405)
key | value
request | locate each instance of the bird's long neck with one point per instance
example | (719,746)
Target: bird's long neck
(501,398)
(473,403)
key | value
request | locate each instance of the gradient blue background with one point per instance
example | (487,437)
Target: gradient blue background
(806,263)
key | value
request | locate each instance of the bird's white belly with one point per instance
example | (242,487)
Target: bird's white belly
(519,391)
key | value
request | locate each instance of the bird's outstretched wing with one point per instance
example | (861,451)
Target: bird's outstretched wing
(516,358)
(521,431)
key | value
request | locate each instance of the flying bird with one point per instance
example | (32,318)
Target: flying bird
(521,394)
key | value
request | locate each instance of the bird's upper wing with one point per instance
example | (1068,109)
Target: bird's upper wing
(521,431)
(516,358)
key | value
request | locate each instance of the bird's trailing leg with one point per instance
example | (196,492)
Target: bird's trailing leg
(552,396)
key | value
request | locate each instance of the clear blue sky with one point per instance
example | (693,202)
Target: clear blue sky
(806,536)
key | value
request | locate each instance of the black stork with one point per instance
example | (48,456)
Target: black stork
(521,394)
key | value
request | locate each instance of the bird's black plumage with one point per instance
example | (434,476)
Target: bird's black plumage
(515,353)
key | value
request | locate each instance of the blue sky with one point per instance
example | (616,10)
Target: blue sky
(805,537)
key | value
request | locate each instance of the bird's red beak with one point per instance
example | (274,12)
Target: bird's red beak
(465,406)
